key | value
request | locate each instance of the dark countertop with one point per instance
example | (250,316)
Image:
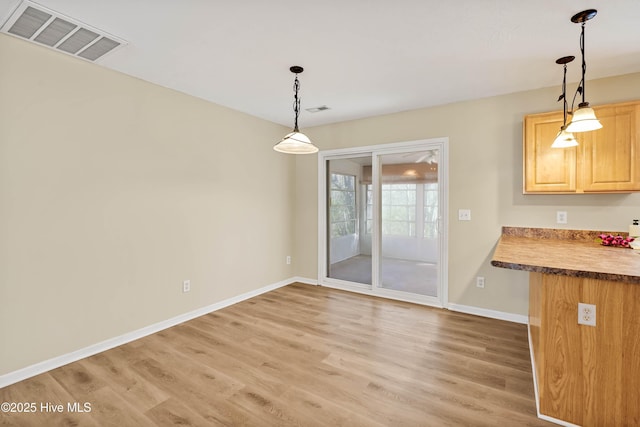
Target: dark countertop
(566,252)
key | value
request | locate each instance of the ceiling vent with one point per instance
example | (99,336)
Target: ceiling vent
(318,109)
(41,25)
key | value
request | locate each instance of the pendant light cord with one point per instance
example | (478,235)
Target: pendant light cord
(584,63)
(580,88)
(564,92)
(296,102)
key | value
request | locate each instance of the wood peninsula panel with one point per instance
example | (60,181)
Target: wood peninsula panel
(602,348)
(535,313)
(631,356)
(586,375)
(562,386)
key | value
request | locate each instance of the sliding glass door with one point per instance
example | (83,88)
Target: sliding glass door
(409,222)
(382,216)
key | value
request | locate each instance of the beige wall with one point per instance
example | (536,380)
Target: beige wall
(485,140)
(113,191)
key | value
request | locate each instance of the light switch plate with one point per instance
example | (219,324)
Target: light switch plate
(464,214)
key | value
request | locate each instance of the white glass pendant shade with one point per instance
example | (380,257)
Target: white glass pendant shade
(296,143)
(583,120)
(564,139)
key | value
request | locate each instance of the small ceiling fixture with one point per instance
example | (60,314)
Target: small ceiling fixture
(564,139)
(296,142)
(584,119)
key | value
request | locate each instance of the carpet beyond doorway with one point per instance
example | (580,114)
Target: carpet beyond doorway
(401,275)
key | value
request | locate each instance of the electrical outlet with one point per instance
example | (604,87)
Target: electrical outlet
(464,214)
(186,286)
(586,314)
(288,259)
(479,282)
(561,217)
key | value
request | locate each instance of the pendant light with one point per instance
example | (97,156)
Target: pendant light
(584,118)
(296,142)
(564,138)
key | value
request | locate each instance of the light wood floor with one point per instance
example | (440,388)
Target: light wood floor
(301,355)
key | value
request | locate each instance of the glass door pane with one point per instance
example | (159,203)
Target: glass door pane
(348,239)
(409,209)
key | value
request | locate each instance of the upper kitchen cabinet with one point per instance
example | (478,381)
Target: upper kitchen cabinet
(546,169)
(606,160)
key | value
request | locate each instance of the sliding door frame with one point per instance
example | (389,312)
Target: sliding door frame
(375,151)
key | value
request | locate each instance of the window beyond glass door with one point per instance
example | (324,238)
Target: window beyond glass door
(398,209)
(349,257)
(342,205)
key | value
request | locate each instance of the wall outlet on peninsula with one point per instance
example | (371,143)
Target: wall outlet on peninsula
(561,217)
(586,314)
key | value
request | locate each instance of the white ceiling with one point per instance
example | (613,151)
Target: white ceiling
(361,57)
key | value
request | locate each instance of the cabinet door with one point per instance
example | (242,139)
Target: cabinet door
(608,158)
(546,169)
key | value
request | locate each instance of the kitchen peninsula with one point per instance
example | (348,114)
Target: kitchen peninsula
(584,375)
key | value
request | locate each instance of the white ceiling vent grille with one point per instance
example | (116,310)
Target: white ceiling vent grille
(36,23)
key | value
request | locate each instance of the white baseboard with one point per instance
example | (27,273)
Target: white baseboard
(304,280)
(557,421)
(533,371)
(468,309)
(56,362)
(493,314)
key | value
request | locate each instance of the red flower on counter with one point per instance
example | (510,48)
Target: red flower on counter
(611,240)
